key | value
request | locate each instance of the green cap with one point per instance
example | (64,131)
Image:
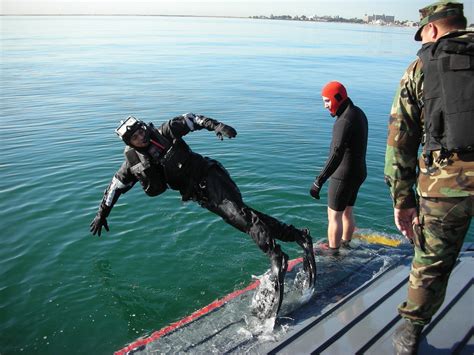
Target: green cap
(436,11)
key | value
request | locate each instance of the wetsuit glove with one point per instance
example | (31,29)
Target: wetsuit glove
(222,130)
(314,191)
(100,220)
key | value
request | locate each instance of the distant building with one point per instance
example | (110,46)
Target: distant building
(379,19)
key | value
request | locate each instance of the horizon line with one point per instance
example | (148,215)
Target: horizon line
(223,16)
(253,17)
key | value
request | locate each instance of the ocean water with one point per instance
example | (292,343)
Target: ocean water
(65,84)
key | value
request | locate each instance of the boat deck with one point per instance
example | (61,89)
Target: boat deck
(363,322)
(354,311)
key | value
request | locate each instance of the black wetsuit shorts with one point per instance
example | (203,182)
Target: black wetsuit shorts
(342,193)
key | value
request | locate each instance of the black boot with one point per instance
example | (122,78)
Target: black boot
(267,299)
(332,252)
(279,261)
(346,244)
(407,338)
(309,264)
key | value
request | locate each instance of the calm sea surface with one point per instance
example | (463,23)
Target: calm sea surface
(65,84)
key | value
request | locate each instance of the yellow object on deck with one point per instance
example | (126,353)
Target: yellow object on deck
(379,239)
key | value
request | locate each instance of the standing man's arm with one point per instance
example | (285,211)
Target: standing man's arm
(341,133)
(405,131)
(122,181)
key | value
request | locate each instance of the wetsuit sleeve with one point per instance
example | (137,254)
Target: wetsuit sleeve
(340,137)
(405,131)
(176,128)
(122,181)
(182,125)
(200,122)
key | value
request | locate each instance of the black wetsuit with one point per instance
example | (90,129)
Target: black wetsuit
(197,178)
(346,164)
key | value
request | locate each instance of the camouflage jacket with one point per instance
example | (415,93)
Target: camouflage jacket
(404,166)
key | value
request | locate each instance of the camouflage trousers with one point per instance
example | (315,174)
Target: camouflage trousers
(438,241)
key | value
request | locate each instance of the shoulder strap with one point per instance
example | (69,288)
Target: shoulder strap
(132,156)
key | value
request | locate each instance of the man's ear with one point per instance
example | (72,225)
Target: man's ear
(433,31)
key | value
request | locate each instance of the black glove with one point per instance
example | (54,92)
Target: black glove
(223,130)
(314,191)
(97,224)
(100,220)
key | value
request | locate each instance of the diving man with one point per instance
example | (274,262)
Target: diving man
(159,159)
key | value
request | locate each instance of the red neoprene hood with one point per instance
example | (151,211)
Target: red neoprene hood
(336,92)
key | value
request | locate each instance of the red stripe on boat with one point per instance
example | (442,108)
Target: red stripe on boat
(210,307)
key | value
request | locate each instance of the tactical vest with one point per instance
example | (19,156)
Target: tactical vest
(448,94)
(164,164)
(150,175)
(147,168)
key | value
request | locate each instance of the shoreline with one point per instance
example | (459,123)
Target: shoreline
(322,20)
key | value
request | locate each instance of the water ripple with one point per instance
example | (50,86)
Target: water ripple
(67,81)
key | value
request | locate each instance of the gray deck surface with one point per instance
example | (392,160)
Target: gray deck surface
(364,321)
(354,311)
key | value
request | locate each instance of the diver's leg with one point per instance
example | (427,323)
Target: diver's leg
(264,229)
(348,220)
(224,199)
(289,233)
(348,226)
(340,192)
(335,228)
(245,219)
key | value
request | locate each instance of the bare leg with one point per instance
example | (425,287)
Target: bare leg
(335,228)
(348,223)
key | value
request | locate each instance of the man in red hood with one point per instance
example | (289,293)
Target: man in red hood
(345,165)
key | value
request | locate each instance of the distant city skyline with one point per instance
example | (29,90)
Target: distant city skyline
(401,9)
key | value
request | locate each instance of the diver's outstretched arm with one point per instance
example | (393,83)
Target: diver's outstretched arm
(111,195)
(188,122)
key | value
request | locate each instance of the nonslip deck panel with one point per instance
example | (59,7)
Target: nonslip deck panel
(353,311)
(319,336)
(366,321)
(451,325)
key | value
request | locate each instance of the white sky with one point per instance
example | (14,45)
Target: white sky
(401,9)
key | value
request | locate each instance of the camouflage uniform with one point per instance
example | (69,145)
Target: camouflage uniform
(445,198)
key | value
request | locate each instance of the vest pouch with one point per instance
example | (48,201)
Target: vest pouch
(434,127)
(460,131)
(150,176)
(460,62)
(154,184)
(139,169)
(457,81)
(175,161)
